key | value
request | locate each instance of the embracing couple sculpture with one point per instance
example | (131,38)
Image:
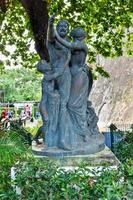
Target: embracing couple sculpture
(69,121)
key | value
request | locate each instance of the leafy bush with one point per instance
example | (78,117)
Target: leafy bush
(124,149)
(42,179)
(13,147)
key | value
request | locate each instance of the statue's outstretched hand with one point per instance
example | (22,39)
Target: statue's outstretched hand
(42,66)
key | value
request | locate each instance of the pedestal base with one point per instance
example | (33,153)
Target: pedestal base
(92,145)
(102,158)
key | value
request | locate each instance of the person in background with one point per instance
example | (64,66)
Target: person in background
(4,117)
(4,114)
(27,111)
(10,114)
(23,117)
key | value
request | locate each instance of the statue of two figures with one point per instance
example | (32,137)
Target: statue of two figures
(69,121)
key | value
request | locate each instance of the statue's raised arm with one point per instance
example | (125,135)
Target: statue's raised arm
(62,41)
(78,44)
(51,32)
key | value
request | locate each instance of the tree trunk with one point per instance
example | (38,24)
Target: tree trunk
(38,14)
(4,5)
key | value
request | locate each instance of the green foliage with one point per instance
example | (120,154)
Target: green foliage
(124,152)
(13,147)
(100,70)
(16,37)
(124,149)
(107,23)
(42,179)
(21,85)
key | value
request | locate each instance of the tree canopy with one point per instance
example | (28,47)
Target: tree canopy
(108,24)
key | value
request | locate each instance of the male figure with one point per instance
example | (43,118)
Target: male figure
(60,58)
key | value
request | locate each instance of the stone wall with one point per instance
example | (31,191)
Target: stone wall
(113,97)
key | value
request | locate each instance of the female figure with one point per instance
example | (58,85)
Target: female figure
(77,103)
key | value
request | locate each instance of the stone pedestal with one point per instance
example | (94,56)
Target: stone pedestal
(103,158)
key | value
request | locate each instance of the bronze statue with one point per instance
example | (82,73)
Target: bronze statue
(69,121)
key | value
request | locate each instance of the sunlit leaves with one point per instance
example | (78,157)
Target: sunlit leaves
(106,22)
(16,32)
(101,71)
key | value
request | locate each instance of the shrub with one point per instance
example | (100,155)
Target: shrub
(42,179)
(124,149)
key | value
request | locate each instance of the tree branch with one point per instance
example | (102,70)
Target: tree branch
(38,14)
